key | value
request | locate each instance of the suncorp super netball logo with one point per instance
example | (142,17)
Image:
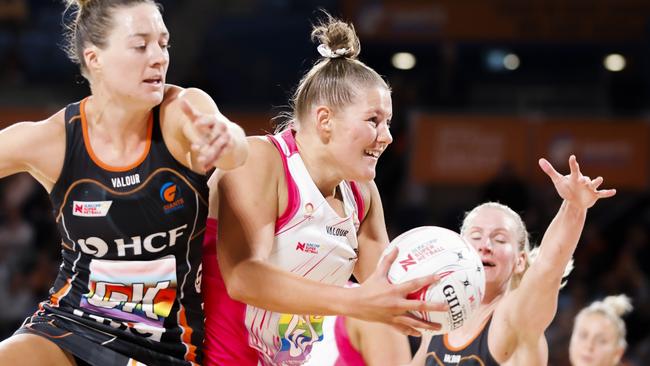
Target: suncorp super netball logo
(170,193)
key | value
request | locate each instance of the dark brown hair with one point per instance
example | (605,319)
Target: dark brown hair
(92,21)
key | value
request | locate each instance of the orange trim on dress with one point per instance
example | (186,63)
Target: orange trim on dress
(56,297)
(462,347)
(186,337)
(95,158)
(46,335)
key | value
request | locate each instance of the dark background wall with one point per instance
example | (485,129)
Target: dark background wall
(467,129)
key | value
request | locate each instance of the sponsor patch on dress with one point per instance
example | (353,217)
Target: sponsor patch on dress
(91,208)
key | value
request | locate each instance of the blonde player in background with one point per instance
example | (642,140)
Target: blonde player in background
(598,337)
(520,294)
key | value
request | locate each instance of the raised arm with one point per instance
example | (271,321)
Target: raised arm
(248,208)
(529,309)
(202,133)
(37,148)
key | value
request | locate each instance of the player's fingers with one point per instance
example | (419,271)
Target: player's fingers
(606,193)
(596,182)
(419,283)
(549,170)
(574,166)
(216,149)
(189,110)
(422,306)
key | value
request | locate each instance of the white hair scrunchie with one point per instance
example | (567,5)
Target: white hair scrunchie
(325,51)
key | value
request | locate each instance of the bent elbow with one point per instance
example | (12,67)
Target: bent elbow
(237,287)
(235,291)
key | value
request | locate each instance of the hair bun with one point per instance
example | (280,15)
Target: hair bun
(336,37)
(325,51)
(619,304)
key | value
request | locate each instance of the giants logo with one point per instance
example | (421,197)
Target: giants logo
(152,243)
(168,193)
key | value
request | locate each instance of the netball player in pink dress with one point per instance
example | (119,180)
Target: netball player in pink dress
(302,215)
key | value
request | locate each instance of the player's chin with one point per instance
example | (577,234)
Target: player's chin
(155,97)
(152,95)
(367,175)
(585,360)
(491,278)
(369,170)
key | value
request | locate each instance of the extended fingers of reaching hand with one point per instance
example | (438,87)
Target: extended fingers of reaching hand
(405,305)
(201,123)
(209,127)
(596,183)
(398,303)
(606,193)
(418,283)
(576,175)
(210,152)
(200,130)
(189,110)
(216,127)
(574,166)
(549,170)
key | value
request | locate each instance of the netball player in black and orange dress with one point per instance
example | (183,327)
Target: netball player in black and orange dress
(520,294)
(125,169)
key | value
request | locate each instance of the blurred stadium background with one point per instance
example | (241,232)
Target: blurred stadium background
(482,89)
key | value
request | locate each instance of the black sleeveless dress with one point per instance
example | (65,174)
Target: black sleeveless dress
(128,288)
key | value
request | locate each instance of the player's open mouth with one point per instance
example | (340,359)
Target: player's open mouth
(372,153)
(154,81)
